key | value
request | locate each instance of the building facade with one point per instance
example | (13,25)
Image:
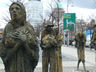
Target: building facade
(34,9)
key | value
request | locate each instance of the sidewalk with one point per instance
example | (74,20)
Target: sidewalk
(70,69)
(70,63)
(72,51)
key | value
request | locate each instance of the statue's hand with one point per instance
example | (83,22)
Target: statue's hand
(20,36)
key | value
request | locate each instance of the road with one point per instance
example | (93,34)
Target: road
(69,60)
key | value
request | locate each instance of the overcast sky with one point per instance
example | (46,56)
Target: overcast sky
(90,4)
(84,9)
(82,3)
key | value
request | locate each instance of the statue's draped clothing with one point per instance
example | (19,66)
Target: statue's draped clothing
(20,61)
(81,39)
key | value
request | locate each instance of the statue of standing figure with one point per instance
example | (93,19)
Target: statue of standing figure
(81,40)
(60,39)
(93,38)
(48,45)
(20,52)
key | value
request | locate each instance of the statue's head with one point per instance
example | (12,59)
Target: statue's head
(48,25)
(17,11)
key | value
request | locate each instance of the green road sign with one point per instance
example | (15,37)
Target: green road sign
(69,21)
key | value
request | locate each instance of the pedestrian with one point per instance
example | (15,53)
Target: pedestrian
(48,45)
(20,51)
(81,39)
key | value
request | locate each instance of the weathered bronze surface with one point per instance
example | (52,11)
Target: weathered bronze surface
(60,39)
(20,50)
(81,39)
(48,45)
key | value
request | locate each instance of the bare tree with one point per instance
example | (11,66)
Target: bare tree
(55,13)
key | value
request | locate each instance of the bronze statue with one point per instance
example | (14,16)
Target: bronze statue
(93,39)
(60,39)
(81,39)
(20,50)
(48,45)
